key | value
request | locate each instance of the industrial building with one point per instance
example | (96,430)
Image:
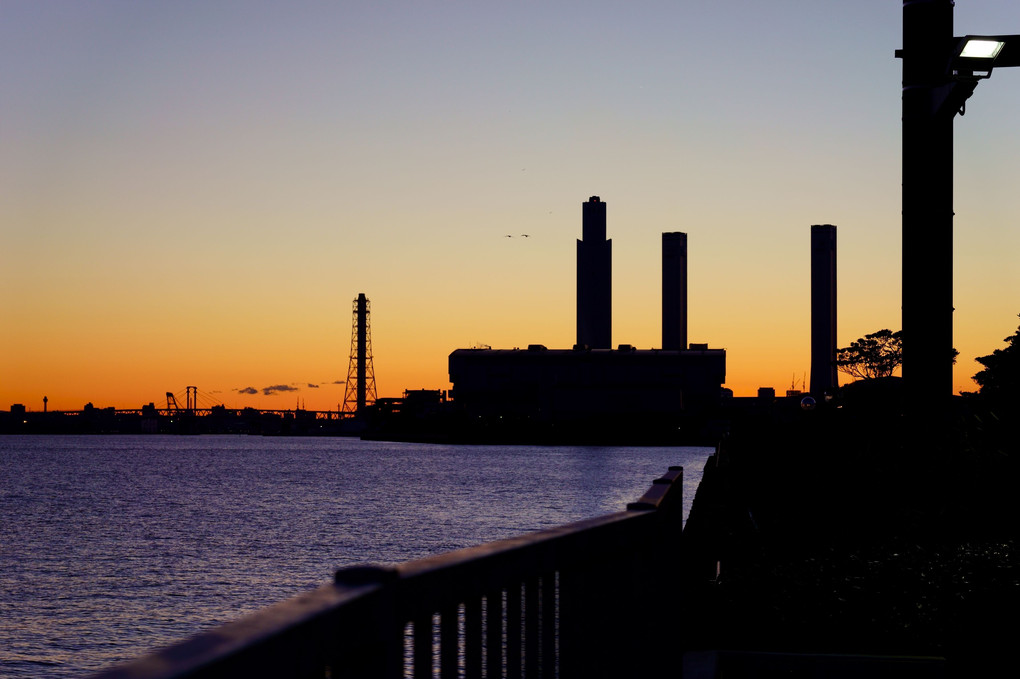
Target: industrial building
(593,387)
(579,384)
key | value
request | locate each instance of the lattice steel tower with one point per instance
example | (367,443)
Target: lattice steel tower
(360,387)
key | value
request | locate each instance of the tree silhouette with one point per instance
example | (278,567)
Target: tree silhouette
(872,356)
(1000,380)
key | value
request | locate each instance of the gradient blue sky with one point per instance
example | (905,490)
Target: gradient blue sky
(194,192)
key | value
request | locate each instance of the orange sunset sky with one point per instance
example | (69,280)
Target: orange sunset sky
(193,193)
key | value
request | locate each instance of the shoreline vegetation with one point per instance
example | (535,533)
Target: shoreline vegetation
(837,531)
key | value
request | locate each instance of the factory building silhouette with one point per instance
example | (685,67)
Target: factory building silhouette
(592,387)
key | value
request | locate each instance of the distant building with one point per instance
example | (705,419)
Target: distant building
(570,385)
(591,390)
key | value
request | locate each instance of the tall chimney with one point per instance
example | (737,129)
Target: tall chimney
(362,315)
(674,290)
(594,278)
(823,309)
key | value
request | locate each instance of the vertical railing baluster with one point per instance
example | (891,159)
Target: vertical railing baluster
(494,634)
(513,631)
(449,641)
(423,645)
(532,643)
(473,638)
(550,625)
(407,648)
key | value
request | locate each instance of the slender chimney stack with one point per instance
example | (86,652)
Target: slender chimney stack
(594,278)
(823,310)
(362,355)
(674,290)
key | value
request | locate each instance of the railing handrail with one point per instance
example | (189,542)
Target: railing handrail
(362,614)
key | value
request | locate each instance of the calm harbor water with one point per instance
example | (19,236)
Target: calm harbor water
(111,546)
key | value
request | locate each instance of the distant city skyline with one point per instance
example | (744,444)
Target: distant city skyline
(192,193)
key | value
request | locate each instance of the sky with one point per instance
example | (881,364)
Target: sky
(195,192)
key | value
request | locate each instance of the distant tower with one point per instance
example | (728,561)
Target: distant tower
(823,309)
(674,290)
(360,389)
(594,278)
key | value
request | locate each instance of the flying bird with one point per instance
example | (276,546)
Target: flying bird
(509,236)
(524,235)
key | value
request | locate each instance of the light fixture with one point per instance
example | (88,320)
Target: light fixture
(974,57)
(980,48)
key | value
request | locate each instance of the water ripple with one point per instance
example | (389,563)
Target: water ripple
(113,545)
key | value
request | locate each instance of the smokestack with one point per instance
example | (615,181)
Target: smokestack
(362,314)
(594,278)
(674,290)
(824,378)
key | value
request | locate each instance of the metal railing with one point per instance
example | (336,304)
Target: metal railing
(587,599)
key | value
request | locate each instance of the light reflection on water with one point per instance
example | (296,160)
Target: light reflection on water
(113,545)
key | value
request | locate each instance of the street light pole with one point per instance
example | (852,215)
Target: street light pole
(940,72)
(927,311)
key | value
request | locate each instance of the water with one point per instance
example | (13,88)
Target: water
(111,546)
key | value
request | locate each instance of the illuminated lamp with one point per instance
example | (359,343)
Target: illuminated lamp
(974,57)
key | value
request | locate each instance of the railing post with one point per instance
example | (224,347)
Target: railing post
(653,613)
(381,653)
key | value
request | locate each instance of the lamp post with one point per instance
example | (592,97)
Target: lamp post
(940,72)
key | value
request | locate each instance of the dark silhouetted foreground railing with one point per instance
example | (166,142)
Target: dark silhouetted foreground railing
(586,599)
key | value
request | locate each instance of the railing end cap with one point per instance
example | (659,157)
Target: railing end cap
(367,574)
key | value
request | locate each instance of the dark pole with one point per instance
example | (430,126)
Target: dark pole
(362,351)
(927,207)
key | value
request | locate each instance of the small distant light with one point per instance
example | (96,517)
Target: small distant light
(976,48)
